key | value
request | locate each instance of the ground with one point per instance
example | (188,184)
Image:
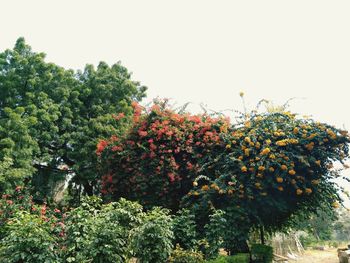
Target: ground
(318,256)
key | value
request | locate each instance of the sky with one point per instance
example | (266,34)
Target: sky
(203,52)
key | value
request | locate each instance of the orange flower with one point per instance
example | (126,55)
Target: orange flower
(299,191)
(261,168)
(308,190)
(335,205)
(315,182)
(292,172)
(265,151)
(280,188)
(244,169)
(284,167)
(279,179)
(205,188)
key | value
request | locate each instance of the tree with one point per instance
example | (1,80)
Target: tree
(69,111)
(17,148)
(274,166)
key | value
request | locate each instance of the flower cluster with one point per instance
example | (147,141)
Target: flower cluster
(158,159)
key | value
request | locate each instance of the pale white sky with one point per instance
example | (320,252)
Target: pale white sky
(202,51)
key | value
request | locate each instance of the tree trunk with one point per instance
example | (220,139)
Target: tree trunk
(262,236)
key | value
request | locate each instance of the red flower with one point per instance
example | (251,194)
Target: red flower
(119,116)
(101,146)
(171,177)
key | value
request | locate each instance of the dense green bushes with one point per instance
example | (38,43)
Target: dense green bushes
(92,232)
(261,253)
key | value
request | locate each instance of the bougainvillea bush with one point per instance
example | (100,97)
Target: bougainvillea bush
(158,159)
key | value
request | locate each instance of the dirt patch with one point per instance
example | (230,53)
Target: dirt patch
(318,256)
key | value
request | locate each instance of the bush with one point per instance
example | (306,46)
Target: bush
(214,232)
(100,233)
(184,227)
(29,239)
(262,253)
(239,258)
(152,241)
(180,255)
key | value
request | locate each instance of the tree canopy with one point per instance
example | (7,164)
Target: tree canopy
(58,115)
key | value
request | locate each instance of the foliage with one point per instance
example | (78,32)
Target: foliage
(342,226)
(239,258)
(261,253)
(29,239)
(184,228)
(272,167)
(152,241)
(52,117)
(179,255)
(158,159)
(214,231)
(17,147)
(320,225)
(100,233)
(19,201)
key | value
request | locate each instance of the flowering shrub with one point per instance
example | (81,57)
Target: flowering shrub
(273,166)
(29,239)
(157,161)
(20,201)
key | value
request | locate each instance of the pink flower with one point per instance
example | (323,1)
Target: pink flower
(143,133)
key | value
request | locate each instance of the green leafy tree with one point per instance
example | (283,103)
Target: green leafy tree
(17,148)
(67,112)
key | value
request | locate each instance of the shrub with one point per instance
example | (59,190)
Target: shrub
(158,159)
(184,227)
(100,233)
(220,259)
(29,239)
(214,232)
(239,258)
(261,253)
(152,241)
(179,255)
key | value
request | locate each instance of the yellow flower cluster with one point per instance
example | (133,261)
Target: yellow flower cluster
(287,142)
